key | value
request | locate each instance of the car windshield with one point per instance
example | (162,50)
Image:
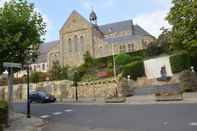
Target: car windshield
(43,94)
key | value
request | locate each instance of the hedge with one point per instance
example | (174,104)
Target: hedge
(180,61)
(134,69)
(3,113)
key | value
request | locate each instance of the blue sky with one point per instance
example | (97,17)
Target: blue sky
(149,14)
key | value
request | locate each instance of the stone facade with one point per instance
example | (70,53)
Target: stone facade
(78,35)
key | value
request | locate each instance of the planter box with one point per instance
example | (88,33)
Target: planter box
(115,100)
(169,93)
(175,97)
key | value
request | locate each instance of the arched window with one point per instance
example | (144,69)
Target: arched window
(82,44)
(122,48)
(69,45)
(75,43)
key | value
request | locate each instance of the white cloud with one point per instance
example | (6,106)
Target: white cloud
(47,21)
(89,4)
(153,21)
(2,2)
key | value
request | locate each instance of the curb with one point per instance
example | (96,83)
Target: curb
(40,126)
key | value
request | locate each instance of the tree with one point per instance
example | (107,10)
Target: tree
(153,49)
(57,72)
(88,60)
(164,40)
(122,59)
(182,17)
(21,30)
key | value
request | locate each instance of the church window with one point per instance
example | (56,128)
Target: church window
(76,43)
(43,66)
(122,48)
(70,45)
(131,47)
(82,43)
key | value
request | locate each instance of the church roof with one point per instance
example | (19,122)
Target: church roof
(138,33)
(116,27)
(44,49)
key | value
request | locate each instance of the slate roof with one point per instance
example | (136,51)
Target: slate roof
(138,32)
(44,49)
(116,27)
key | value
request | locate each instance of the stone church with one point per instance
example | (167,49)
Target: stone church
(79,35)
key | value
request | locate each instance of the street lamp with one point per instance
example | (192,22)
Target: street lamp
(28,83)
(76,84)
(114,62)
(113,55)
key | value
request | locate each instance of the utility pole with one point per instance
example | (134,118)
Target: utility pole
(28,100)
(75,84)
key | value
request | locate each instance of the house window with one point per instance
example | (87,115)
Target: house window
(76,43)
(43,66)
(122,48)
(70,45)
(34,67)
(82,43)
(131,47)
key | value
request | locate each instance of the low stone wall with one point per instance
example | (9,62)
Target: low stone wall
(144,81)
(63,89)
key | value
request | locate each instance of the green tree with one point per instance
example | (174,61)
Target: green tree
(183,18)
(57,72)
(164,41)
(153,49)
(21,30)
(35,77)
(122,59)
(88,60)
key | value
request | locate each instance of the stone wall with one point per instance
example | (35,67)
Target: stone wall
(144,81)
(64,89)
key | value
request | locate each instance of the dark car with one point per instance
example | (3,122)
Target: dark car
(41,97)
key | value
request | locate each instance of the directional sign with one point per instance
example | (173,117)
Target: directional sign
(12,65)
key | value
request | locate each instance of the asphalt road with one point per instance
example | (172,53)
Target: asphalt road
(63,117)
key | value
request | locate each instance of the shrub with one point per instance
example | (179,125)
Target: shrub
(3,113)
(122,59)
(180,61)
(188,81)
(57,72)
(36,77)
(134,69)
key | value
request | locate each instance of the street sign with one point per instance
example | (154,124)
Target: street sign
(12,65)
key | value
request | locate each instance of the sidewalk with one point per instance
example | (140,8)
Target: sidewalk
(138,99)
(21,123)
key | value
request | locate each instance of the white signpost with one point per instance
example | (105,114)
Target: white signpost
(10,66)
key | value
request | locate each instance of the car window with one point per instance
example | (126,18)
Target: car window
(42,94)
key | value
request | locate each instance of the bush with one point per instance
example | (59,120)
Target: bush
(122,59)
(57,72)
(188,81)
(180,61)
(36,77)
(3,113)
(134,69)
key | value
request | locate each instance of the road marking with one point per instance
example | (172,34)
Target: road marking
(68,110)
(57,113)
(193,124)
(44,116)
(165,123)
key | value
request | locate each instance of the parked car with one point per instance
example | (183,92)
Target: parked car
(41,97)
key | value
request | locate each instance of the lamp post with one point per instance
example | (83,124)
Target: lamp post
(30,53)
(28,100)
(76,84)
(114,62)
